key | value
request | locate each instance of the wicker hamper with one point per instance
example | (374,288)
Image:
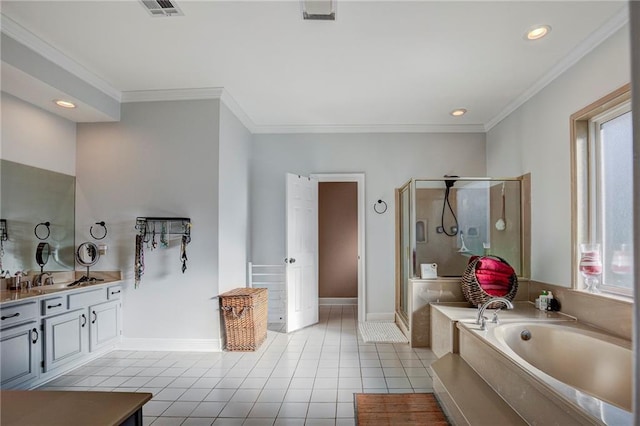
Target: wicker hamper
(473,291)
(245,317)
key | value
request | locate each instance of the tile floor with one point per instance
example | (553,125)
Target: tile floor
(302,378)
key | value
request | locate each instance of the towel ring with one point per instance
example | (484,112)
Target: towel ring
(382,208)
(102,224)
(46,225)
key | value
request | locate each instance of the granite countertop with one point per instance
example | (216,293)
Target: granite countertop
(62,281)
(460,311)
(69,407)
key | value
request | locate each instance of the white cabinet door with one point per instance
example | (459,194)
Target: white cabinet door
(104,328)
(19,354)
(64,339)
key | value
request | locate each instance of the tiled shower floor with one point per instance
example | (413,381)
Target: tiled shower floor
(303,378)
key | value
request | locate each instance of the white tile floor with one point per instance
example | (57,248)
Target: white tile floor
(303,378)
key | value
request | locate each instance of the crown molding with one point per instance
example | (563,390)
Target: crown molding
(172,95)
(189,95)
(582,49)
(237,110)
(373,128)
(35,43)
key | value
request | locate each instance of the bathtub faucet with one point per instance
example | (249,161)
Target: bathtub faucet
(481,320)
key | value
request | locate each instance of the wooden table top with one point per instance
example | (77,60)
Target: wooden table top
(68,408)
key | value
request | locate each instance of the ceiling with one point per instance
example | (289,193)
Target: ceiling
(380,66)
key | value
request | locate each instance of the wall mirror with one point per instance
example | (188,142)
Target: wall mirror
(30,196)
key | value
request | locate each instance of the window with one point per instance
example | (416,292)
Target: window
(602,168)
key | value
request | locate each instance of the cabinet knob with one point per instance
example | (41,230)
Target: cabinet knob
(35,331)
(54,306)
(84,322)
(95,317)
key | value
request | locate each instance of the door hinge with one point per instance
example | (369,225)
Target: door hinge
(41,327)
(42,364)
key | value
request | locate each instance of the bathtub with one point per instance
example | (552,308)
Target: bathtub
(578,366)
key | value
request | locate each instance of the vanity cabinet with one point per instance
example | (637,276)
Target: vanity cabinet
(104,327)
(19,354)
(64,339)
(19,344)
(45,335)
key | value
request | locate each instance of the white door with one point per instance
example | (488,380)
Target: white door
(302,252)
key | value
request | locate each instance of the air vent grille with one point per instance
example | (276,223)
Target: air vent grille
(161,8)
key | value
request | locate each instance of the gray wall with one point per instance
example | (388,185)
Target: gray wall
(388,161)
(233,201)
(535,139)
(161,159)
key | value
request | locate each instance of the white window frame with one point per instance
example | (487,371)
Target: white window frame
(586,183)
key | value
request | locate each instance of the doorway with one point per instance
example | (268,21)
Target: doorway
(342,257)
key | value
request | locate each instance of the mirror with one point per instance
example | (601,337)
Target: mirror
(42,255)
(87,254)
(30,196)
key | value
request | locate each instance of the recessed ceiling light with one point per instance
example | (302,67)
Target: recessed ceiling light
(458,112)
(64,104)
(537,32)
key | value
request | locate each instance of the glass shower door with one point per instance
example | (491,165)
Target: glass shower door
(405,258)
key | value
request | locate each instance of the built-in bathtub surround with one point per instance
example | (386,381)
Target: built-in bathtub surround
(582,378)
(614,315)
(439,290)
(548,367)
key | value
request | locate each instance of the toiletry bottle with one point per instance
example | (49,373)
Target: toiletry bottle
(544,300)
(549,298)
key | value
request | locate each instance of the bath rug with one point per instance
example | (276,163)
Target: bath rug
(381,332)
(398,409)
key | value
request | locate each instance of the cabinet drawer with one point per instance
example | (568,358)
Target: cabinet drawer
(114,292)
(17,313)
(53,305)
(84,299)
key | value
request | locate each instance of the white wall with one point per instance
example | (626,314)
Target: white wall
(535,139)
(388,161)
(233,200)
(37,138)
(161,159)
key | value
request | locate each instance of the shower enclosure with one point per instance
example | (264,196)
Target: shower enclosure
(446,221)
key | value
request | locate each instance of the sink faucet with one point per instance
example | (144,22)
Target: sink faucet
(481,319)
(43,279)
(48,279)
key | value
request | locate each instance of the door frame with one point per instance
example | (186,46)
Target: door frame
(359,179)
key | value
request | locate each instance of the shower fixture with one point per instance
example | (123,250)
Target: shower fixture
(454,229)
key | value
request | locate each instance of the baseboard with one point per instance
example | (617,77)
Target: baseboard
(180,345)
(386,317)
(338,301)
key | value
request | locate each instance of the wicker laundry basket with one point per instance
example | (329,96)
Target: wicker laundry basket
(472,289)
(245,317)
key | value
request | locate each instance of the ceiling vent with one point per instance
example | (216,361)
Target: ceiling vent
(162,8)
(319,10)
